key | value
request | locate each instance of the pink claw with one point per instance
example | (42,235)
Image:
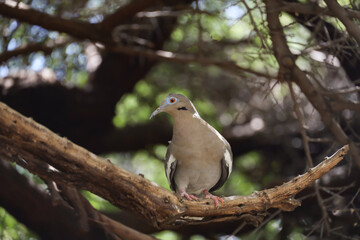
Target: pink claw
(188,196)
(216,199)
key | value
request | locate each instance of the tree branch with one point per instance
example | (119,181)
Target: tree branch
(309,159)
(24,141)
(289,71)
(83,30)
(33,200)
(69,222)
(98,32)
(125,13)
(342,15)
(314,9)
(76,28)
(34,47)
(229,66)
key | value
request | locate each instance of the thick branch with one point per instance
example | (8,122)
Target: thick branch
(24,141)
(68,220)
(83,30)
(75,28)
(34,200)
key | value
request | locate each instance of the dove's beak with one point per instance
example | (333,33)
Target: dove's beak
(154,113)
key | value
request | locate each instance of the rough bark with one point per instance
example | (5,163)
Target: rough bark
(29,144)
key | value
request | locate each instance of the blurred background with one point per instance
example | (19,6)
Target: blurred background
(94,70)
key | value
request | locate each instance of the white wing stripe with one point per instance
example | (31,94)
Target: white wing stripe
(228,160)
(168,166)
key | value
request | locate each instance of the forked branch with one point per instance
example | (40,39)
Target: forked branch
(28,143)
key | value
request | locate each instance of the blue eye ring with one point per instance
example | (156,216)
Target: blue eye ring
(172,100)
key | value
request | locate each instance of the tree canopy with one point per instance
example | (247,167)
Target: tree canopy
(279,79)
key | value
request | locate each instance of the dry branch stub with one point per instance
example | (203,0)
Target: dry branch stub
(75,166)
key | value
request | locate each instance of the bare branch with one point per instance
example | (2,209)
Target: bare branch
(342,15)
(309,159)
(74,198)
(313,9)
(342,91)
(46,48)
(309,8)
(35,206)
(339,105)
(125,13)
(120,230)
(83,30)
(75,28)
(24,141)
(254,25)
(289,71)
(229,66)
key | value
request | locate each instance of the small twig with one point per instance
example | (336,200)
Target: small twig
(341,91)
(310,163)
(342,15)
(236,231)
(351,203)
(352,130)
(164,13)
(200,29)
(333,194)
(341,190)
(316,226)
(229,66)
(320,140)
(314,9)
(353,198)
(342,236)
(256,29)
(263,223)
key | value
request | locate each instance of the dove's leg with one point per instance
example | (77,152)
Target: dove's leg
(216,199)
(187,196)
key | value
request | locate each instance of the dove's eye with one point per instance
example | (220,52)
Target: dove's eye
(172,100)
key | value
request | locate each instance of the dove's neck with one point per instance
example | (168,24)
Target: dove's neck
(186,128)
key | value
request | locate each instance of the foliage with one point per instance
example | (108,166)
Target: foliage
(11,229)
